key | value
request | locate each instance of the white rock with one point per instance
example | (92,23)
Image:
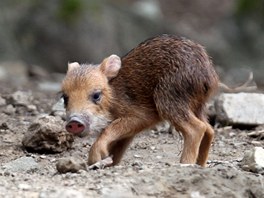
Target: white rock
(241,108)
(24,186)
(58,109)
(196,194)
(254,160)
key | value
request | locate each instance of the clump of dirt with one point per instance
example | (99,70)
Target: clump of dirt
(47,135)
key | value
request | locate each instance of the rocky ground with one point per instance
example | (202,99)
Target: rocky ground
(150,167)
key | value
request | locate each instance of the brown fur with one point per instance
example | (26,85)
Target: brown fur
(163,78)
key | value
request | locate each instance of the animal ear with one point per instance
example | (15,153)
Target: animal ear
(72,66)
(111,66)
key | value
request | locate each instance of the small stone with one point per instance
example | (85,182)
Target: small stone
(10,110)
(196,194)
(32,108)
(254,160)
(2,102)
(24,186)
(162,127)
(152,147)
(71,164)
(58,109)
(137,156)
(43,156)
(137,164)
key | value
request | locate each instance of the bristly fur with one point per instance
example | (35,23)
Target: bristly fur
(163,78)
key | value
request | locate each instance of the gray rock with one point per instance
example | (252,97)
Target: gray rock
(47,134)
(254,160)
(22,164)
(9,110)
(240,108)
(2,102)
(21,98)
(70,164)
(58,109)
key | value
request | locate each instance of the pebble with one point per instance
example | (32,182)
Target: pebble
(23,186)
(10,110)
(159,157)
(196,194)
(32,108)
(137,156)
(2,102)
(58,109)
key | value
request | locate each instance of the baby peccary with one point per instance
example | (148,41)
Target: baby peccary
(163,78)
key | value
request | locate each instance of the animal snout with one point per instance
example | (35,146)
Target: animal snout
(75,126)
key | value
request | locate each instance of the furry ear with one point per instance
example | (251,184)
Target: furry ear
(111,66)
(72,66)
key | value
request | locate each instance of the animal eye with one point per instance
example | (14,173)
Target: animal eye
(65,99)
(96,96)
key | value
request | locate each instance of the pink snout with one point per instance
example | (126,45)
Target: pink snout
(75,127)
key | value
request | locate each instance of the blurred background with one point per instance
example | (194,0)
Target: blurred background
(40,37)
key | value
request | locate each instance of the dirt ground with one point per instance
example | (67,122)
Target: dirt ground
(150,167)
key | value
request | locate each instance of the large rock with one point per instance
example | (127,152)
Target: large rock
(240,108)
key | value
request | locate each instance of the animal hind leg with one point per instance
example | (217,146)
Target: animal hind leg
(193,131)
(205,144)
